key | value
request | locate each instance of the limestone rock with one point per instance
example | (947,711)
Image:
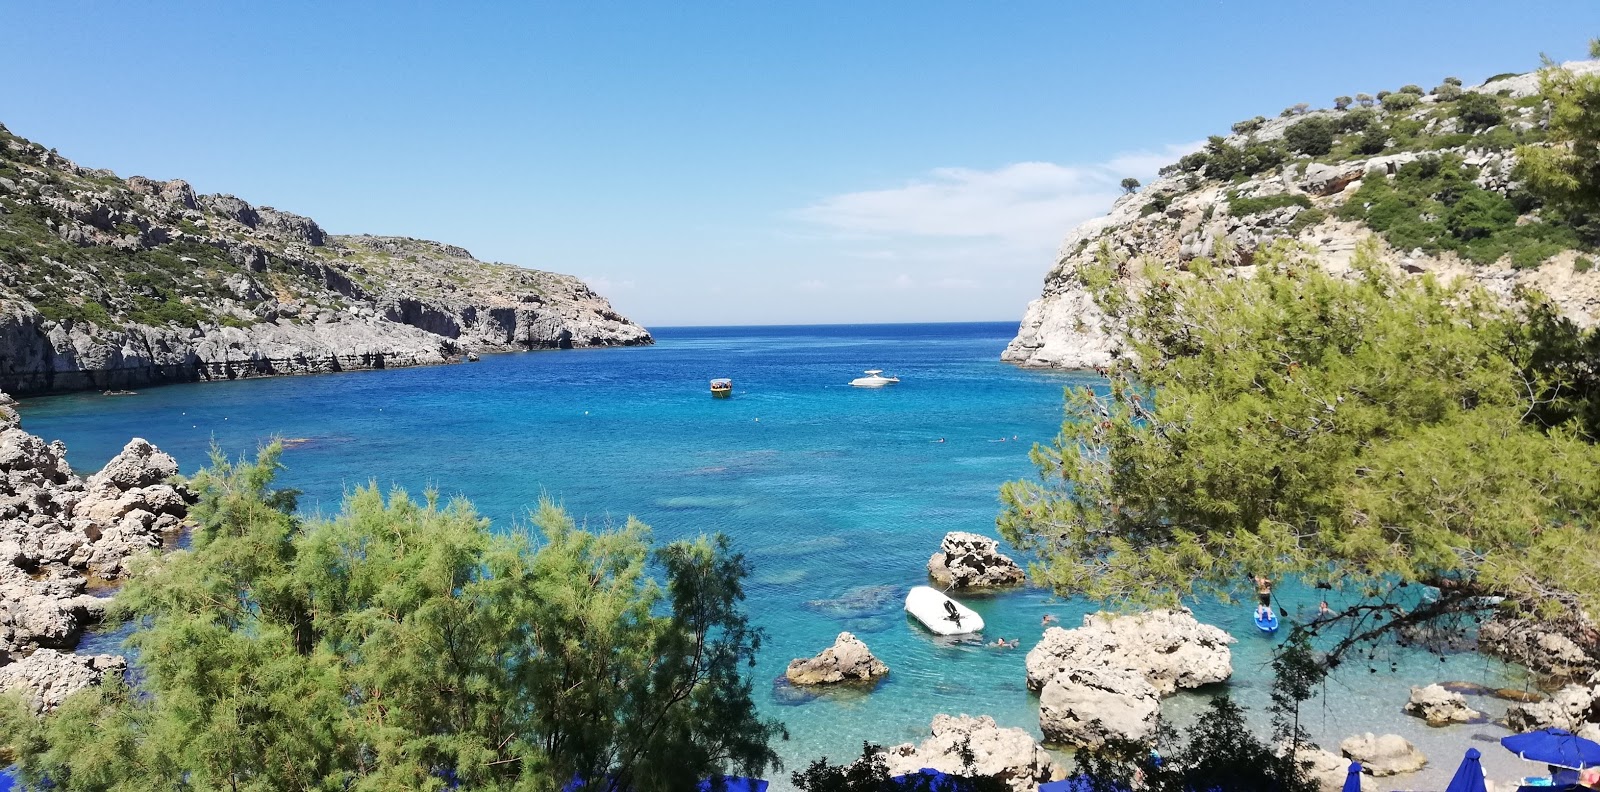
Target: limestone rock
(1440,707)
(1570,708)
(1328,769)
(1008,754)
(1169,648)
(1088,706)
(1158,230)
(1385,755)
(139,464)
(330,303)
(968,560)
(47,677)
(1554,647)
(848,660)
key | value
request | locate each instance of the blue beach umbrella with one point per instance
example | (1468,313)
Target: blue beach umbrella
(733,784)
(1352,778)
(1469,776)
(1077,783)
(1557,747)
(926,778)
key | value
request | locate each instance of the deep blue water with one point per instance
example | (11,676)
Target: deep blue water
(833,492)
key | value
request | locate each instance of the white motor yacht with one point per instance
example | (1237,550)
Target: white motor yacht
(874,379)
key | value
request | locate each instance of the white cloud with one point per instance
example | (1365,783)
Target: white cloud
(1026,203)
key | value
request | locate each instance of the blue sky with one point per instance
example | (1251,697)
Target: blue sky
(721,162)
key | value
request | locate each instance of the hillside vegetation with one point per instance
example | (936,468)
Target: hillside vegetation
(1438,175)
(110,281)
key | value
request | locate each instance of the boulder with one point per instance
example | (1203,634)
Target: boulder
(139,464)
(1008,754)
(1440,707)
(1385,755)
(1168,647)
(968,560)
(1569,708)
(1088,706)
(1554,647)
(1327,768)
(47,676)
(848,660)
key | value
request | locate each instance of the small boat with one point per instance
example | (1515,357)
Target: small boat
(874,379)
(940,614)
(1266,620)
(722,388)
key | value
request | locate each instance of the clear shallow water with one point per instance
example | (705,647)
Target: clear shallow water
(838,496)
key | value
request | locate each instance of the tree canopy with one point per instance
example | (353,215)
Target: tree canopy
(1566,172)
(402,644)
(1349,430)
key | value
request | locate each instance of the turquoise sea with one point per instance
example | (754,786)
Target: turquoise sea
(838,495)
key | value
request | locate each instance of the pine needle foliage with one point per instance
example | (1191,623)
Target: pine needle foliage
(403,645)
(1353,431)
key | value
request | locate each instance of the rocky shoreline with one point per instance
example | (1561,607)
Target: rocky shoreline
(112,283)
(60,533)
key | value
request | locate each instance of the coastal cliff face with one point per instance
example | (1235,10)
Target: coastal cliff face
(1213,207)
(108,282)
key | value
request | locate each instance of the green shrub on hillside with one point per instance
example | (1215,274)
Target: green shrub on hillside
(1478,111)
(1373,140)
(1240,207)
(1400,101)
(1447,92)
(1414,90)
(1432,204)
(1582,264)
(1312,136)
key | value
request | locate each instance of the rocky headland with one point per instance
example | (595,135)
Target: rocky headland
(64,541)
(112,283)
(1258,187)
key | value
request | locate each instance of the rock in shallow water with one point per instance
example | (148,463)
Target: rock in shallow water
(969,560)
(1440,707)
(1089,706)
(848,660)
(1168,647)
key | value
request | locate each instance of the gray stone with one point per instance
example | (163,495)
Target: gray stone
(1385,755)
(1088,706)
(969,560)
(848,660)
(1440,707)
(1008,754)
(47,677)
(1169,648)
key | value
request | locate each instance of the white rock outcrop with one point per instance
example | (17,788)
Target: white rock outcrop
(1440,707)
(1008,754)
(1172,221)
(969,560)
(1087,707)
(1573,707)
(1383,755)
(1169,648)
(848,660)
(56,531)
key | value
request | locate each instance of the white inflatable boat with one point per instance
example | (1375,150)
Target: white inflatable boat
(942,615)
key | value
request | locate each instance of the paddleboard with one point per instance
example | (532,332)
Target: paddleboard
(931,607)
(1266,620)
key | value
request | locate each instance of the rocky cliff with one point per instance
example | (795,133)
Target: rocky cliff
(1430,174)
(108,282)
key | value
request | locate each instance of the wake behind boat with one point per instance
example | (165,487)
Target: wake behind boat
(874,379)
(940,614)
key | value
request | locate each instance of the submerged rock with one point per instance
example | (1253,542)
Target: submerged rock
(859,603)
(969,560)
(1385,755)
(1008,754)
(1088,706)
(1440,707)
(848,660)
(1169,648)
